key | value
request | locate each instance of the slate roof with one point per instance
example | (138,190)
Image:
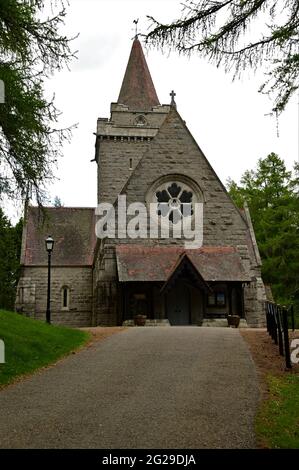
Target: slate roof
(185,267)
(214,263)
(72,228)
(137,90)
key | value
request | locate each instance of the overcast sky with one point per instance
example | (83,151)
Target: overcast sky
(228,119)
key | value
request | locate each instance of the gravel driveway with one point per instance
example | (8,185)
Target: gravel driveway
(152,387)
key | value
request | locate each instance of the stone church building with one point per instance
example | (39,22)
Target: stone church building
(145,152)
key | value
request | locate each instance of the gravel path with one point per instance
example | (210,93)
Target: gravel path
(159,387)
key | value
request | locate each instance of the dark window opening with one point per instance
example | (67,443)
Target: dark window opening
(217,299)
(174,202)
(65,297)
(21,294)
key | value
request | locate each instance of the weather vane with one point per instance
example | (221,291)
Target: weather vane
(136,27)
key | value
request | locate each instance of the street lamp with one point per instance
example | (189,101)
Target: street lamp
(49,247)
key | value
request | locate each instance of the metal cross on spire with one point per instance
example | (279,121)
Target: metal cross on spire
(172,94)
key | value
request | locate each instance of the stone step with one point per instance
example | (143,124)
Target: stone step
(148,322)
(222,322)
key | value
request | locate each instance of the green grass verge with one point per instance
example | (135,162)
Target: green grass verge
(277,424)
(31,344)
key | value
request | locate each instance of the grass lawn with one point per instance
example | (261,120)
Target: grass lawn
(31,344)
(277,423)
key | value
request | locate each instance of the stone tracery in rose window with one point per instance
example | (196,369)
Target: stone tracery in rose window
(175,200)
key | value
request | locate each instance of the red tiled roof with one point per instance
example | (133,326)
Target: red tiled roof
(214,263)
(137,90)
(73,230)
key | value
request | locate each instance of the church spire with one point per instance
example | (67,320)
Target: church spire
(137,90)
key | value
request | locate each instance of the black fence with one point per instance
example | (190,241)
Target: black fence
(278,318)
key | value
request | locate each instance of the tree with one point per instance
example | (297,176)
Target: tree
(31,49)
(10,249)
(57,202)
(227,31)
(272,197)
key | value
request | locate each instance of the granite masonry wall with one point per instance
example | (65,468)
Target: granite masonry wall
(32,294)
(172,152)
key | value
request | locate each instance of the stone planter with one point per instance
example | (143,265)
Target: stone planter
(140,320)
(233,320)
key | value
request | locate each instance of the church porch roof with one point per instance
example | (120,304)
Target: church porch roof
(156,263)
(184,268)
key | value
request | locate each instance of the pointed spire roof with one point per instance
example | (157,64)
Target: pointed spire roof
(137,90)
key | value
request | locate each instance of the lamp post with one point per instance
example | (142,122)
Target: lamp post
(49,247)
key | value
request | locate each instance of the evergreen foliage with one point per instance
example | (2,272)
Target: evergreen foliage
(31,49)
(10,250)
(239,34)
(273,199)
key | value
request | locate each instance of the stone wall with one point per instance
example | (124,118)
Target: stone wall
(174,152)
(120,145)
(105,292)
(117,160)
(254,303)
(32,294)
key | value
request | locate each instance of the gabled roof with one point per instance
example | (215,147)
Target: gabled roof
(73,230)
(137,90)
(156,263)
(171,135)
(184,268)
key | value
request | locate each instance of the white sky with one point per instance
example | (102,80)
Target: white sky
(228,119)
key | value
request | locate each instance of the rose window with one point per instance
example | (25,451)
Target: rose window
(175,200)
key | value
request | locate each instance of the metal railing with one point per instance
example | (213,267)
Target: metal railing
(277,318)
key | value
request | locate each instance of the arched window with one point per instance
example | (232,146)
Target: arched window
(174,200)
(65,297)
(175,196)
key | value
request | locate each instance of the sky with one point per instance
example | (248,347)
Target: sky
(229,120)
